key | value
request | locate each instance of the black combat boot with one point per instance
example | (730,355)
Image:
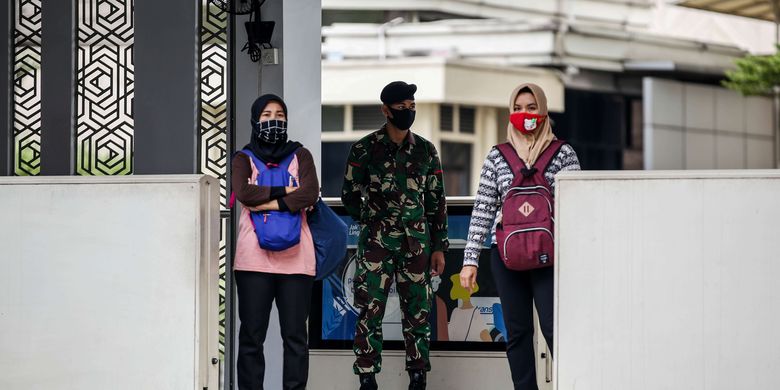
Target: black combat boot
(416,379)
(368,382)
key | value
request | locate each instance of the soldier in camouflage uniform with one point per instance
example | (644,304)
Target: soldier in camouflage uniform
(394,187)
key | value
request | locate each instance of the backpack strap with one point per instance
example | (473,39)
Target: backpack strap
(516,164)
(253,161)
(545,159)
(287,160)
(256,161)
(519,169)
(510,156)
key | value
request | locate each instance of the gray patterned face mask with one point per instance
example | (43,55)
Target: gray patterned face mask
(271,131)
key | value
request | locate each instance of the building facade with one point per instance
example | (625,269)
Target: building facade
(594,59)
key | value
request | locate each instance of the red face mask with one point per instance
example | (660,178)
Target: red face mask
(526,122)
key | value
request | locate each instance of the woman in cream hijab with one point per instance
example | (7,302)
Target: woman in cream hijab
(530,134)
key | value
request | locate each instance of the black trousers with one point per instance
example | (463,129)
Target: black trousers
(518,291)
(256,293)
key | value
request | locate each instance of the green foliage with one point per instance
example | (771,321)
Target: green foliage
(755,75)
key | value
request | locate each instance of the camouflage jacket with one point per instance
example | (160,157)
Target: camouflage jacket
(397,193)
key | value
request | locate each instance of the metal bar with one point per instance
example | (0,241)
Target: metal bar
(230,288)
(6,132)
(167,86)
(776,20)
(776,101)
(548,365)
(57,86)
(776,88)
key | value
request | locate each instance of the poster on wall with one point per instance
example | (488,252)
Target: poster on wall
(456,314)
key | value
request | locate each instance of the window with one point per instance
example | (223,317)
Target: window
(467,119)
(367,117)
(633,158)
(595,125)
(502,124)
(446,119)
(456,162)
(330,17)
(466,123)
(334,161)
(433,16)
(332,118)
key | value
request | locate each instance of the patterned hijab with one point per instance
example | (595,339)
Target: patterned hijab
(530,147)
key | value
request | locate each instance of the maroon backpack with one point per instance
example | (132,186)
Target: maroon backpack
(525,235)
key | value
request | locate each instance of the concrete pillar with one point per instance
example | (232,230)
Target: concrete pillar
(167,58)
(6,124)
(296,79)
(57,91)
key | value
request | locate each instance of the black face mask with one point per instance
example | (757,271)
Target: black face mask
(271,131)
(402,119)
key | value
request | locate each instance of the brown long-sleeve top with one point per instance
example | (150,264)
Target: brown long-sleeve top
(254,195)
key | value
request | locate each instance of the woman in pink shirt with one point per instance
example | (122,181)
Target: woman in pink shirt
(263,275)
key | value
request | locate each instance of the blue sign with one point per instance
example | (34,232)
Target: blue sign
(456,315)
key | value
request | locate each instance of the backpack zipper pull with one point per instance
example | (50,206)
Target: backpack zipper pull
(265,218)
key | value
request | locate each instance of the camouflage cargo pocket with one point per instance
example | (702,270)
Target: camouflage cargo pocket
(360,287)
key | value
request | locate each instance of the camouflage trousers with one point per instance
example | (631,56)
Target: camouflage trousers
(376,268)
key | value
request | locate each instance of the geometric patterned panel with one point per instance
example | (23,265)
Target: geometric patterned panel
(212,140)
(104,87)
(213,96)
(223,237)
(27,87)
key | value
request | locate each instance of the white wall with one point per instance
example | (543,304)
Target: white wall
(632,13)
(753,35)
(691,126)
(438,80)
(109,283)
(515,44)
(667,280)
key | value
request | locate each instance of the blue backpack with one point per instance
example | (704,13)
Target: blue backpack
(329,233)
(275,230)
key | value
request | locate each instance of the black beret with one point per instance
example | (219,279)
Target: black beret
(397,91)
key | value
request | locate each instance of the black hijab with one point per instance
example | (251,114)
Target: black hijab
(268,152)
